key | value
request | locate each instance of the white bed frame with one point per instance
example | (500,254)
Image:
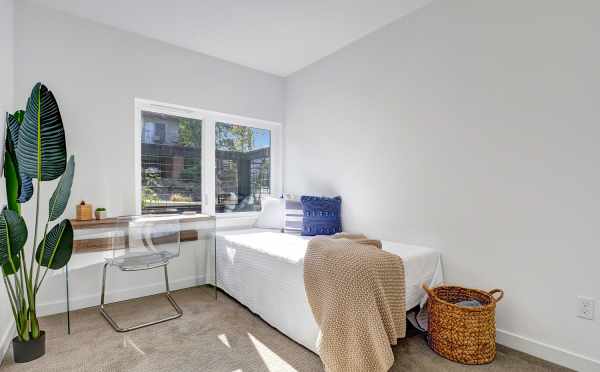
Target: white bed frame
(263,270)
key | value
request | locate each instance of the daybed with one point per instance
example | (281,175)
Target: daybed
(263,270)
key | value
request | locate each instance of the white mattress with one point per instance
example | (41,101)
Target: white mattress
(263,270)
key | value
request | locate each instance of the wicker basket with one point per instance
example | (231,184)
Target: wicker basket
(462,334)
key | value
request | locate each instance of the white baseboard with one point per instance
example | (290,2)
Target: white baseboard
(6,339)
(81,302)
(547,352)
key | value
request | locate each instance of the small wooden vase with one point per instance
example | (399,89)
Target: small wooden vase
(84,212)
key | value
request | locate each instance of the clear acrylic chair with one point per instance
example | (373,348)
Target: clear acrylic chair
(143,243)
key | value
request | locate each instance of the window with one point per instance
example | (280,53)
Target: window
(171,163)
(203,161)
(243,167)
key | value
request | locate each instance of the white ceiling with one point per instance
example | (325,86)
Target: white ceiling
(276,36)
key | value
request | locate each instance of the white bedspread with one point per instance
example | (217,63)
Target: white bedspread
(263,270)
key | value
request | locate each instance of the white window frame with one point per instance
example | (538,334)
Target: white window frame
(209,120)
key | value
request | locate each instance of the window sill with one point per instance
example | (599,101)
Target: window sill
(236,220)
(238,215)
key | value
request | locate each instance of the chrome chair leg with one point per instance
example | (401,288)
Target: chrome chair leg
(116,327)
(103,283)
(171,300)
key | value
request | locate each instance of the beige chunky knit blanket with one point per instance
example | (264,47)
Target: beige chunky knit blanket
(356,294)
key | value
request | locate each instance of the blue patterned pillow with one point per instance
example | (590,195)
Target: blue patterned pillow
(322,216)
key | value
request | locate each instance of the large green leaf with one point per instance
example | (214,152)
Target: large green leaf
(11,173)
(60,197)
(41,149)
(12,181)
(13,267)
(13,235)
(55,250)
(26,188)
(13,122)
(23,187)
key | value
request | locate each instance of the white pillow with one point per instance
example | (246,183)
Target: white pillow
(271,215)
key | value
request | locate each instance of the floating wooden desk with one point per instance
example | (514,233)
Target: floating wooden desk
(85,244)
(98,244)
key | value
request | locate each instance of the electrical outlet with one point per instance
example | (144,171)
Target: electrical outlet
(586,307)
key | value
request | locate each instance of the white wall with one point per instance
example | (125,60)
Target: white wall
(473,127)
(95,73)
(6,104)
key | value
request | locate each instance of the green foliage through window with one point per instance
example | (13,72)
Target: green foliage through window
(243,167)
(171,163)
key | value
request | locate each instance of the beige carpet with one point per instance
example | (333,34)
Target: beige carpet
(215,336)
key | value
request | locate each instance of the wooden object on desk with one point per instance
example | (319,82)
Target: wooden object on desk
(84,212)
(105,244)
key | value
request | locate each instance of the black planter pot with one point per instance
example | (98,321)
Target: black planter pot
(24,352)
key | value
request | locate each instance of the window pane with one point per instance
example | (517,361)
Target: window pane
(243,174)
(171,164)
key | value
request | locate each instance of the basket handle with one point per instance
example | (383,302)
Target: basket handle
(494,291)
(429,291)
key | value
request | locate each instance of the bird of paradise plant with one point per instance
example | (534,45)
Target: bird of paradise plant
(35,149)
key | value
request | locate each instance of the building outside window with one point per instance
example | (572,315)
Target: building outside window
(171,164)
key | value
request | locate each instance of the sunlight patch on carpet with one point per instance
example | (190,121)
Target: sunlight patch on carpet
(127,341)
(223,338)
(272,361)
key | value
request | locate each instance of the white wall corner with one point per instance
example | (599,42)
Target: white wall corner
(7,80)
(547,352)
(7,337)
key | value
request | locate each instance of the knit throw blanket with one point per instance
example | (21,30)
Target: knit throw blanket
(356,294)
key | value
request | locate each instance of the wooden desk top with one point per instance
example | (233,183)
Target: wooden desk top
(113,221)
(96,244)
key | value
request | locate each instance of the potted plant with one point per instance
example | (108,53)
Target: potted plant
(100,213)
(35,148)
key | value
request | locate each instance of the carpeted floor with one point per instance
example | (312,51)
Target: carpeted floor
(215,336)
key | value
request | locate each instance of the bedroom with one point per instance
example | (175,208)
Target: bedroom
(464,127)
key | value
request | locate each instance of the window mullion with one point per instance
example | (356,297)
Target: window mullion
(208,166)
